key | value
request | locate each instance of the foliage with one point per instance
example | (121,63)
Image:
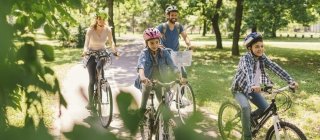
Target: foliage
(24,79)
(277,14)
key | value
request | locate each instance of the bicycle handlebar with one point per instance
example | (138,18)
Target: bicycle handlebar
(169,84)
(268,89)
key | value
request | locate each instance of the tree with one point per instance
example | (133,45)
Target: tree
(277,14)
(237,27)
(110,19)
(215,24)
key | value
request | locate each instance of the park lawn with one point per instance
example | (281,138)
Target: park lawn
(211,37)
(212,72)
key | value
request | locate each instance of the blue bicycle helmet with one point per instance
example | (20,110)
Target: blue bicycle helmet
(252,38)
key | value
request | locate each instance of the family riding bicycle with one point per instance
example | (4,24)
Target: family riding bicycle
(161,73)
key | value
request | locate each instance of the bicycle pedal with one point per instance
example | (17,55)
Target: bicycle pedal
(172,123)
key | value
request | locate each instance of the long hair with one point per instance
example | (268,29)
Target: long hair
(95,23)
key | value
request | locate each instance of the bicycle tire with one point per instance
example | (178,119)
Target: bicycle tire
(104,104)
(186,103)
(146,128)
(285,126)
(164,130)
(229,121)
(164,125)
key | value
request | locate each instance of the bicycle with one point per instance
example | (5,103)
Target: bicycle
(102,95)
(229,120)
(158,121)
(185,100)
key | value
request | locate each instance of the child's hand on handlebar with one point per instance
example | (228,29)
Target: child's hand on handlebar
(256,89)
(145,80)
(183,80)
(294,85)
(116,53)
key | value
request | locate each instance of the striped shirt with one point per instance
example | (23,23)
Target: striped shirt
(244,77)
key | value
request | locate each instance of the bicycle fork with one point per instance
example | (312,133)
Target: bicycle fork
(276,125)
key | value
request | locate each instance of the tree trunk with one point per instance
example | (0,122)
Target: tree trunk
(215,25)
(237,27)
(274,32)
(254,28)
(204,21)
(132,23)
(204,28)
(110,19)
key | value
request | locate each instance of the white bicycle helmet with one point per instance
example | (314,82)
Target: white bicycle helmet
(252,38)
(171,8)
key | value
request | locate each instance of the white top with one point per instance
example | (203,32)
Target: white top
(95,40)
(257,76)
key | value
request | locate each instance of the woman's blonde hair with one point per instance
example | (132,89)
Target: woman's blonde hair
(95,22)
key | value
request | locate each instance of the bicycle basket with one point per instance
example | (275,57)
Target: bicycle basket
(181,58)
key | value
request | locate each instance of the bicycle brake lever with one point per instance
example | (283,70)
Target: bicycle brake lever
(267,89)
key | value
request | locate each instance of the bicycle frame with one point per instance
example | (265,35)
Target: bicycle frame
(164,103)
(271,111)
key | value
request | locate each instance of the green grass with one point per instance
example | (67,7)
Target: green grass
(212,71)
(211,37)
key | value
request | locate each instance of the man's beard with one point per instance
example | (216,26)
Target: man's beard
(173,20)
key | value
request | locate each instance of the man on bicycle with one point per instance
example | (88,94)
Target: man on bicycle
(171,31)
(250,75)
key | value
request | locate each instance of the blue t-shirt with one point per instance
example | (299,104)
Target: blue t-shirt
(171,37)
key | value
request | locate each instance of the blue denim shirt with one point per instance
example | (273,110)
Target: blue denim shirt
(165,64)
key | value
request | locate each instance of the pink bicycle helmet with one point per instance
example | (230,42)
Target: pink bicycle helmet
(151,33)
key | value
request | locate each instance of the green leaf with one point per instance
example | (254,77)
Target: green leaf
(48,70)
(128,111)
(39,20)
(81,132)
(48,53)
(48,30)
(27,53)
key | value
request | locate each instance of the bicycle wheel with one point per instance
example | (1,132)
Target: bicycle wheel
(104,105)
(229,121)
(164,130)
(288,131)
(146,127)
(186,103)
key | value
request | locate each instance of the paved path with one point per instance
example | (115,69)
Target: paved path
(121,76)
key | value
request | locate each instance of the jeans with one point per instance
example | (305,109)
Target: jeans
(146,92)
(258,100)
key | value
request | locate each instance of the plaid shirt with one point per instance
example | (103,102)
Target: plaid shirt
(244,77)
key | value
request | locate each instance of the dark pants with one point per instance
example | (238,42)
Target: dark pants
(91,66)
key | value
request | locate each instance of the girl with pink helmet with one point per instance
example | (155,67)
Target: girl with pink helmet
(154,63)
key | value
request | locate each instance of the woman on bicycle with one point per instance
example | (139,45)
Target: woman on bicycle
(250,75)
(154,63)
(96,37)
